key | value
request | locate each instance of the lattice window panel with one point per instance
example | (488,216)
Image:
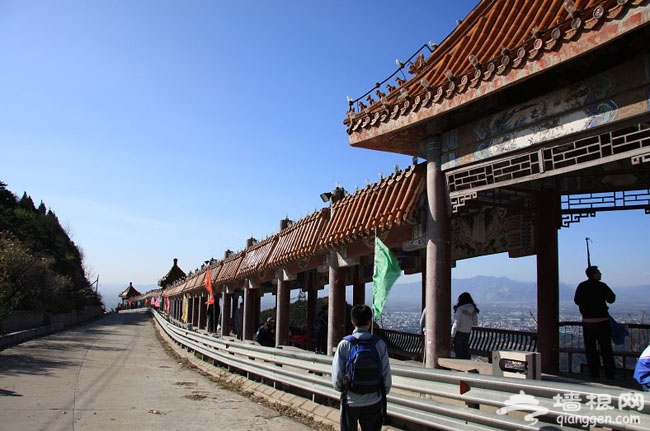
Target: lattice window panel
(633,142)
(578,206)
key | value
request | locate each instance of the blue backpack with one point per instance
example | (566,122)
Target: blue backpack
(363,367)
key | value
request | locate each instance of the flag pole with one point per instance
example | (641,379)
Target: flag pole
(587,239)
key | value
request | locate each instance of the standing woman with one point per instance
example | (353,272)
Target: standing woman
(465,317)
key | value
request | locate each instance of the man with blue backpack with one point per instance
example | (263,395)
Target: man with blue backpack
(361,372)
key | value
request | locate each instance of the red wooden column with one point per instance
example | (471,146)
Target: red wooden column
(190,308)
(312,301)
(548,281)
(225,312)
(438,261)
(358,287)
(234,305)
(282,312)
(258,308)
(336,304)
(249,311)
(203,311)
(195,310)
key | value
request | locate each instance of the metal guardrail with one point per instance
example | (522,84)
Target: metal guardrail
(440,399)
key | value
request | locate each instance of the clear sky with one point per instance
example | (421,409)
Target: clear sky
(160,129)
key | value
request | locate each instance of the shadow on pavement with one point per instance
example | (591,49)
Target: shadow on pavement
(6,393)
(31,357)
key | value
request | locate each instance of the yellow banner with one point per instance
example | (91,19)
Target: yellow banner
(186,306)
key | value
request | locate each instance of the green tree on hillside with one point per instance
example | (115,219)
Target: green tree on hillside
(41,269)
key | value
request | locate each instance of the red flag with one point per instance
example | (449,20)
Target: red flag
(208,286)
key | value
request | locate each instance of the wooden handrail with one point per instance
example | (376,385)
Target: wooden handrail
(402,345)
(572,345)
(483,341)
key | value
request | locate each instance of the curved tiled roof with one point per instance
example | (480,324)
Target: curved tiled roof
(488,51)
(300,239)
(229,268)
(195,281)
(176,289)
(150,294)
(129,292)
(255,257)
(377,207)
(393,201)
(175,273)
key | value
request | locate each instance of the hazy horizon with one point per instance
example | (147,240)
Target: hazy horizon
(405,296)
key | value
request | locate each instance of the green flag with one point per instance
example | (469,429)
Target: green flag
(386,272)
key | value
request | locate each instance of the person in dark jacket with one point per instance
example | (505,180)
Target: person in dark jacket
(209,320)
(266,333)
(592,297)
(320,331)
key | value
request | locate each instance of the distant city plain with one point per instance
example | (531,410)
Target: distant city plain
(508,304)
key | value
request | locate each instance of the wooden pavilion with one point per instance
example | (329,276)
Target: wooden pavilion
(129,294)
(529,115)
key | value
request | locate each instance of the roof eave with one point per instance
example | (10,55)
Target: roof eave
(406,134)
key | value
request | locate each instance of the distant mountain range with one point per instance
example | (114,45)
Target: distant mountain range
(494,290)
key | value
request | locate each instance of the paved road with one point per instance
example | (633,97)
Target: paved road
(114,374)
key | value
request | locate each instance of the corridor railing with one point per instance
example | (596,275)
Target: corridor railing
(439,399)
(483,341)
(572,347)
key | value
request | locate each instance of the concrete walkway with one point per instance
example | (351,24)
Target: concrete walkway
(115,374)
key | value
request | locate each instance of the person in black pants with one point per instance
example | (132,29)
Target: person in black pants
(592,297)
(361,407)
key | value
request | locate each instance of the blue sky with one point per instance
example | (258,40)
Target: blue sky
(178,129)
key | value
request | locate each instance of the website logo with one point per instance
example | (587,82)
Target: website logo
(523,402)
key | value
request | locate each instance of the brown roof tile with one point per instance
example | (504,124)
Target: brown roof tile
(129,292)
(192,283)
(229,268)
(151,293)
(367,210)
(175,273)
(299,240)
(255,257)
